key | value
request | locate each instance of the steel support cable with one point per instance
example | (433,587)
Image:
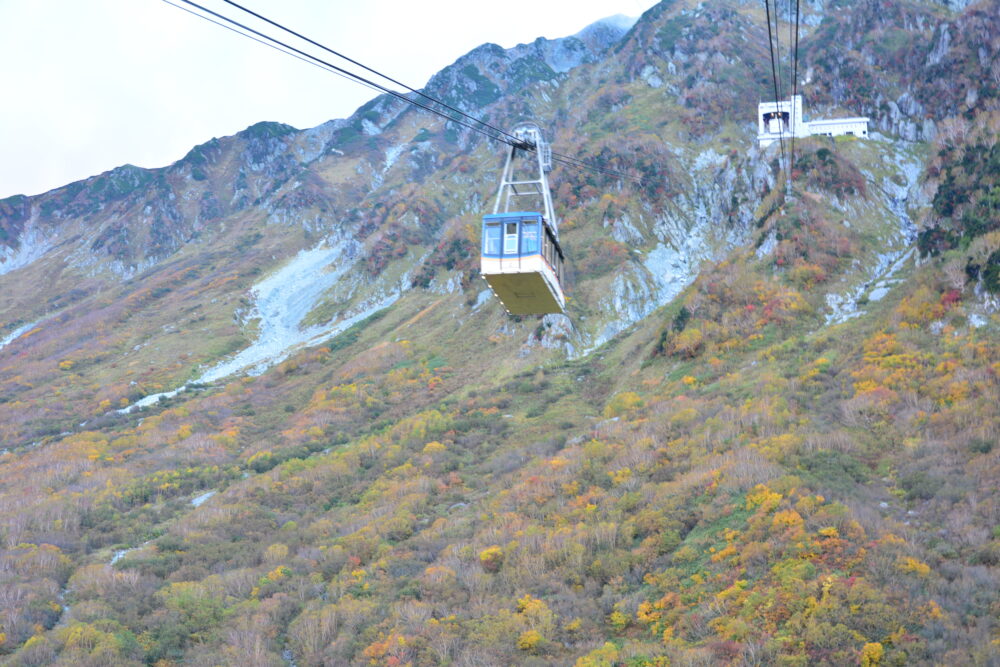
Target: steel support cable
(413,90)
(777,48)
(774,74)
(352,75)
(781,83)
(373,71)
(330,67)
(599,170)
(795,78)
(795,63)
(570,160)
(268,44)
(791,85)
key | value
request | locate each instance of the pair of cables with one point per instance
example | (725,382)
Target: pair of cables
(412,96)
(774,48)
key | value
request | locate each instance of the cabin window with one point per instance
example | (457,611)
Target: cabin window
(491,240)
(510,238)
(529,238)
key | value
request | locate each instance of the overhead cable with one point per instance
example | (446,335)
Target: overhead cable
(566,159)
(349,74)
(489,131)
(795,81)
(269,45)
(369,69)
(582,165)
(774,73)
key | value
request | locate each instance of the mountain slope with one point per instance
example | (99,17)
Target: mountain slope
(257,408)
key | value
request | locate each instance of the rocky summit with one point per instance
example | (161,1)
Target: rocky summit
(259,408)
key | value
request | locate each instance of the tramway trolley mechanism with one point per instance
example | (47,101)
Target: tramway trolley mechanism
(521,257)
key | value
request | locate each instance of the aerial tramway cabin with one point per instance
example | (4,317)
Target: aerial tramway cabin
(523,263)
(521,259)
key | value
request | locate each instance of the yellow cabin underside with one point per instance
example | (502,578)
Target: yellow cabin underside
(524,293)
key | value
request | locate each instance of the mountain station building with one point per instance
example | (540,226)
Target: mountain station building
(784,119)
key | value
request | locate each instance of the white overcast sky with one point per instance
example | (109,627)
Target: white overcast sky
(89,85)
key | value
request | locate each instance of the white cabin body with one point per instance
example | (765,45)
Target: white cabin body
(522,262)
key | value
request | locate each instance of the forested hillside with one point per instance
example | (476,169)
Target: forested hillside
(259,408)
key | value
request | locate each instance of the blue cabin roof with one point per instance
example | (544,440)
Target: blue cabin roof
(512,214)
